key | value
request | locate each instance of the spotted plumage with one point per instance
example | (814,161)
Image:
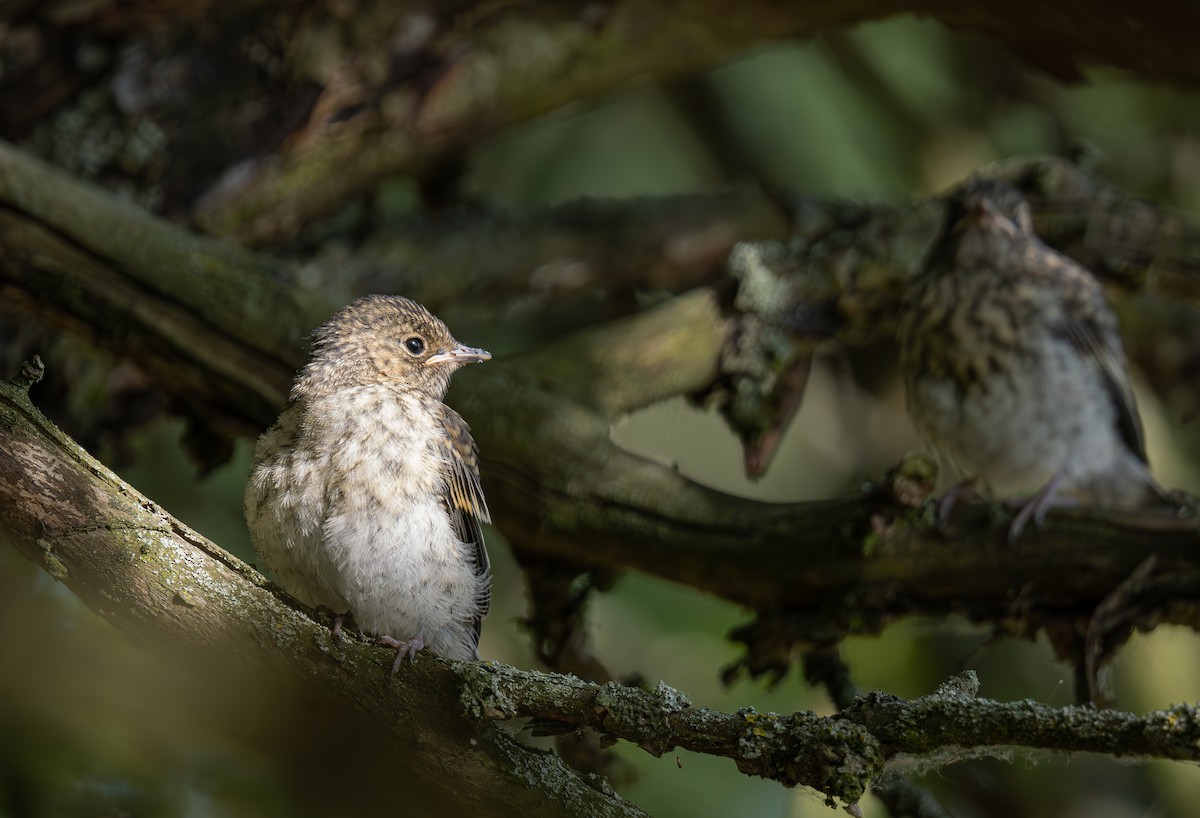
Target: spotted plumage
(1013,364)
(364,496)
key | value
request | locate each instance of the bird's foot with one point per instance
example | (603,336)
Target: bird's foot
(408,647)
(954,495)
(1035,508)
(341,621)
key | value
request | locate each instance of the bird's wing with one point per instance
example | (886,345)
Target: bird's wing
(1091,327)
(464,501)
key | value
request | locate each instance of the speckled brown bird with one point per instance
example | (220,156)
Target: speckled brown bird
(1014,367)
(364,496)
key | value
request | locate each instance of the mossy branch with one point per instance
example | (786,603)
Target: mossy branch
(159,581)
(152,577)
(393,87)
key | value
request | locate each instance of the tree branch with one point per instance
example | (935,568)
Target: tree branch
(627,40)
(393,87)
(159,581)
(154,578)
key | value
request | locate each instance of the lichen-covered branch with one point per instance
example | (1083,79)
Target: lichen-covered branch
(154,578)
(874,735)
(924,727)
(831,755)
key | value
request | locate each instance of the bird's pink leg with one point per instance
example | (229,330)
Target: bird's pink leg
(340,622)
(1035,507)
(407,648)
(954,495)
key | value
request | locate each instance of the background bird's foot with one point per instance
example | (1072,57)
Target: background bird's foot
(954,495)
(407,648)
(1035,507)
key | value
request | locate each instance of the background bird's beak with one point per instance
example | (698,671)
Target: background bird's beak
(984,214)
(459,355)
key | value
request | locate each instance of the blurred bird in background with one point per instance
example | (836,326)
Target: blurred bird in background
(1014,368)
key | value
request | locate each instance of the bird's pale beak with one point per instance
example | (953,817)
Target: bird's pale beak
(459,355)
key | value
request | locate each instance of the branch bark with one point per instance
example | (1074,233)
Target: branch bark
(159,581)
(352,98)
(156,579)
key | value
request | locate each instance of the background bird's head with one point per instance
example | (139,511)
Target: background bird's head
(385,338)
(993,204)
(987,223)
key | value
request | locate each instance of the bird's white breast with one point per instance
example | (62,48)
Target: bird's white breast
(360,525)
(1020,428)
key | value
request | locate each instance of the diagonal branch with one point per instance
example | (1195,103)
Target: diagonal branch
(157,580)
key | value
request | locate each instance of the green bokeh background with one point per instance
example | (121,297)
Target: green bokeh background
(92,725)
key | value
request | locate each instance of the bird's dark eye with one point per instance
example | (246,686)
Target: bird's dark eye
(414,344)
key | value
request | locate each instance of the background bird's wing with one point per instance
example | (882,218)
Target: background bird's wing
(1091,327)
(464,500)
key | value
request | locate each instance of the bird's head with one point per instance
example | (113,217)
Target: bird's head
(386,338)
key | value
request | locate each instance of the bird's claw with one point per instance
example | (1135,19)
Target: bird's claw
(407,647)
(952,497)
(1035,508)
